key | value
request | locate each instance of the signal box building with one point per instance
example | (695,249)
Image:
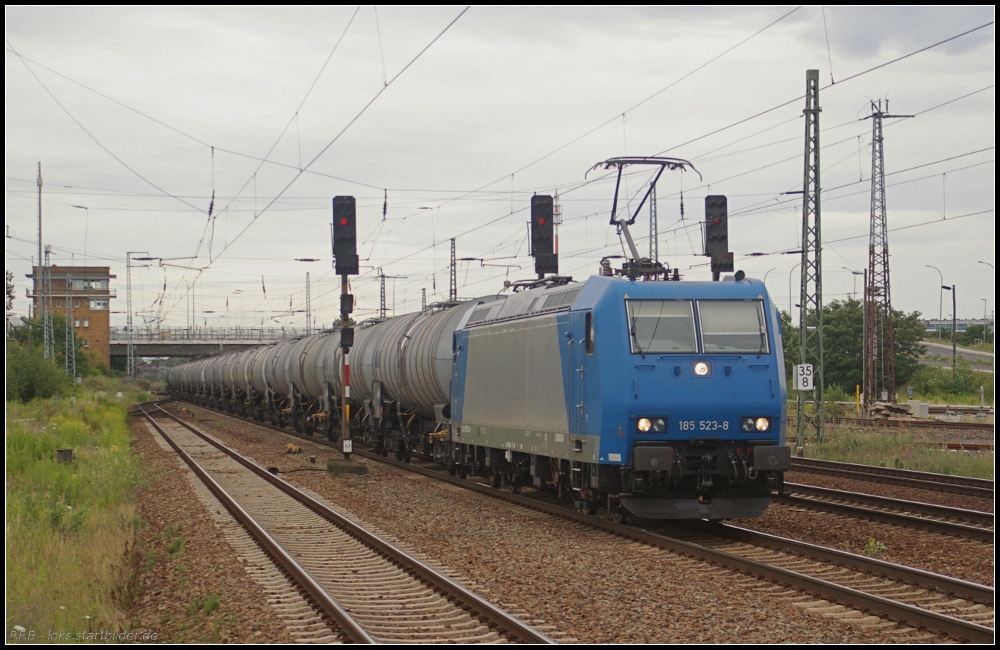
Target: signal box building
(82,294)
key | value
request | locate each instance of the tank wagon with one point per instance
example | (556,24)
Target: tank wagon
(654,399)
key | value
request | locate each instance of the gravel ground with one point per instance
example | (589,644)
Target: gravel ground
(944,554)
(187,565)
(889,490)
(591,585)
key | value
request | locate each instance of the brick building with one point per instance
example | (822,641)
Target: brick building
(83,294)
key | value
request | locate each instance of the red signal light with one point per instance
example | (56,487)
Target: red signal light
(344,222)
(541,221)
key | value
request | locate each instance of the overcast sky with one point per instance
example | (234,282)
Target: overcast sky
(140,115)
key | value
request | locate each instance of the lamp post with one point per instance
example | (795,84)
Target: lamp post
(790,289)
(86,221)
(940,297)
(954,319)
(984,308)
(855,274)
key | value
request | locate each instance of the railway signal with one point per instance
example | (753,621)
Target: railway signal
(717,234)
(543,235)
(345,235)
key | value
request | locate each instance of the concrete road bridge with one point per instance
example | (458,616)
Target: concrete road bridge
(197,341)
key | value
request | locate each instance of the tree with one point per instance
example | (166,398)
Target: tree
(844,344)
(32,335)
(10,291)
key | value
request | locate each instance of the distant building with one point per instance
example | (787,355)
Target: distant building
(83,294)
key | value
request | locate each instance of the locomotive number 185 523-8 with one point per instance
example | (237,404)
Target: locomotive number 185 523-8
(704,425)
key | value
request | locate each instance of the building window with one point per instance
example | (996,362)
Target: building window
(76,323)
(98,305)
(59,303)
(76,304)
(86,323)
(86,343)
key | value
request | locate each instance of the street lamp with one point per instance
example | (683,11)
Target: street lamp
(855,274)
(790,289)
(940,297)
(86,221)
(954,320)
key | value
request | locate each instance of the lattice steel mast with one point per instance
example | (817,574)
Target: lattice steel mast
(48,329)
(809,421)
(880,357)
(453,285)
(70,335)
(654,240)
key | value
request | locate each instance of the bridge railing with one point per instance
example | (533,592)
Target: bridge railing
(202,334)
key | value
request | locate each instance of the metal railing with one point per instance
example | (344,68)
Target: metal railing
(202,334)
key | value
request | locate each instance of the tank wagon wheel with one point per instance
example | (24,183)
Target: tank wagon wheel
(495,479)
(587,503)
(463,472)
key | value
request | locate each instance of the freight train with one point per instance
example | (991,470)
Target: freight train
(657,399)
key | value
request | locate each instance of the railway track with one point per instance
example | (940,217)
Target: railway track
(852,586)
(970,524)
(857,586)
(963,485)
(370,590)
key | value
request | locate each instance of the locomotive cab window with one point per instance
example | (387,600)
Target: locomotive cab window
(733,326)
(661,326)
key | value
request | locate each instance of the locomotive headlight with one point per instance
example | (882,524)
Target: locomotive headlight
(654,425)
(702,368)
(751,424)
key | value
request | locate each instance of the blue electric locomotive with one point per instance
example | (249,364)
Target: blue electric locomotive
(658,399)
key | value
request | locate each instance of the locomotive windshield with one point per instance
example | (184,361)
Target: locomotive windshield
(659,326)
(733,326)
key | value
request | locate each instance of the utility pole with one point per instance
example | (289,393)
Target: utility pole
(382,278)
(809,420)
(423,299)
(880,382)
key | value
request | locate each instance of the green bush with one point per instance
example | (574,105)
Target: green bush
(30,375)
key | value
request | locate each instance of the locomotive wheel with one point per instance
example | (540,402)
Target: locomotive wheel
(495,479)
(399,454)
(621,516)
(462,472)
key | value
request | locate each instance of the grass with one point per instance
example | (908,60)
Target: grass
(898,448)
(72,554)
